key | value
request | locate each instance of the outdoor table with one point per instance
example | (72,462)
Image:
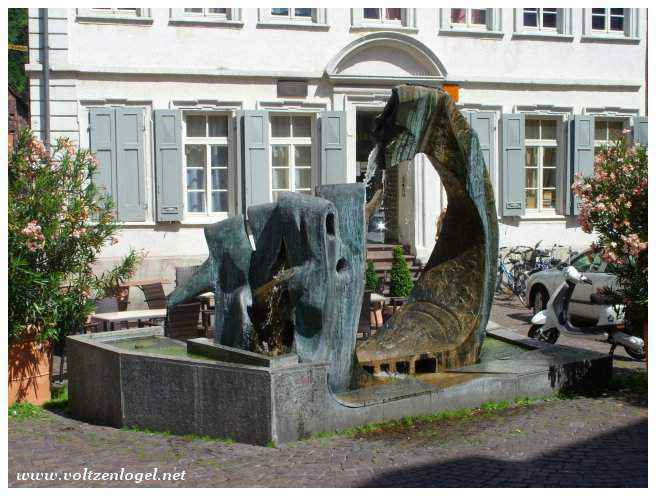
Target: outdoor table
(110,318)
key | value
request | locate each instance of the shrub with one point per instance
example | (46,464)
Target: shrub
(52,239)
(614,205)
(371,278)
(400,277)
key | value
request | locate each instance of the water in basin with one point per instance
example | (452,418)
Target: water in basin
(159,345)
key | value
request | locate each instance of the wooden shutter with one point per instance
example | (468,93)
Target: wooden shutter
(513,173)
(484,124)
(102,127)
(256,176)
(168,164)
(640,131)
(130,176)
(333,148)
(581,153)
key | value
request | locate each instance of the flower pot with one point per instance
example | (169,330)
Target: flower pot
(30,370)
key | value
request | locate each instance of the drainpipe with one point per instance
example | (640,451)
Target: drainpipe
(45,67)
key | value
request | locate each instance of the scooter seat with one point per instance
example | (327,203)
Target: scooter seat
(600,299)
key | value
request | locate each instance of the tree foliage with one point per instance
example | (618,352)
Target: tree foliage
(58,223)
(17,31)
(614,205)
(401,283)
(371,278)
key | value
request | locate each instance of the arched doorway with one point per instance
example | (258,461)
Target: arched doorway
(362,75)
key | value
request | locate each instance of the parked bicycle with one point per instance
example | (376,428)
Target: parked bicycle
(513,278)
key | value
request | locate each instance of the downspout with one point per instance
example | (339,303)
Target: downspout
(45,67)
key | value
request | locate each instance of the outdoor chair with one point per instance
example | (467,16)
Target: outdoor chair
(182,321)
(154,294)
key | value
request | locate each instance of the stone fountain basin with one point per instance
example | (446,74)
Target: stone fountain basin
(139,378)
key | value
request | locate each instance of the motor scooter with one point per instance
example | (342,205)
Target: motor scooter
(554,319)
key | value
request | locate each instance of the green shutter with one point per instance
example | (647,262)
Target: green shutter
(513,199)
(256,169)
(130,176)
(641,131)
(102,127)
(581,153)
(333,148)
(168,164)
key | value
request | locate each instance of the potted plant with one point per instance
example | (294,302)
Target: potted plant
(52,244)
(401,283)
(614,205)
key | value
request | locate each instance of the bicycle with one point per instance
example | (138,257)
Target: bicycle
(514,278)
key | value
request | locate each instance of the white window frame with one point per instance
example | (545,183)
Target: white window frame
(316,21)
(539,12)
(491,29)
(563,29)
(541,144)
(208,142)
(292,142)
(630,34)
(231,18)
(608,15)
(114,15)
(406,23)
(468,20)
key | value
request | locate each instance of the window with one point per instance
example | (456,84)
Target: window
(540,18)
(206,162)
(541,164)
(612,23)
(302,18)
(607,20)
(111,11)
(207,16)
(291,154)
(219,13)
(292,14)
(469,18)
(393,16)
(607,131)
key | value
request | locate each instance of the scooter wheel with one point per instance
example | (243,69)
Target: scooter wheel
(634,354)
(548,336)
(533,331)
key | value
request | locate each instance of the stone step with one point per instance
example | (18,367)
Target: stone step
(387,266)
(382,256)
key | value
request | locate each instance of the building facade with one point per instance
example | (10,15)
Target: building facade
(197,113)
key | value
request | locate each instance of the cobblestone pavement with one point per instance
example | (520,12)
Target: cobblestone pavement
(562,442)
(585,441)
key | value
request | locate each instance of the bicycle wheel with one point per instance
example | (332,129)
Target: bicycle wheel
(519,286)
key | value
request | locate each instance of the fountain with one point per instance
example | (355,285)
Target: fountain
(288,284)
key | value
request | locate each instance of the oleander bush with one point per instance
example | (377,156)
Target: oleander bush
(58,222)
(614,206)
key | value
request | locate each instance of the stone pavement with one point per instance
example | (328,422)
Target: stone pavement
(584,441)
(599,442)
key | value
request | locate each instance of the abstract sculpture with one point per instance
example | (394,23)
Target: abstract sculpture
(300,290)
(443,323)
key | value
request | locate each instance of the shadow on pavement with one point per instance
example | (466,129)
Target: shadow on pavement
(614,459)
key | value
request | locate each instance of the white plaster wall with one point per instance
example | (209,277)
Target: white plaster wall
(237,67)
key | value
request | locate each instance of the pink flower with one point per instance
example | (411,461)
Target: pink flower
(78,232)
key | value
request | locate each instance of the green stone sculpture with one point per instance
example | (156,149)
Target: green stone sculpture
(300,290)
(443,323)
